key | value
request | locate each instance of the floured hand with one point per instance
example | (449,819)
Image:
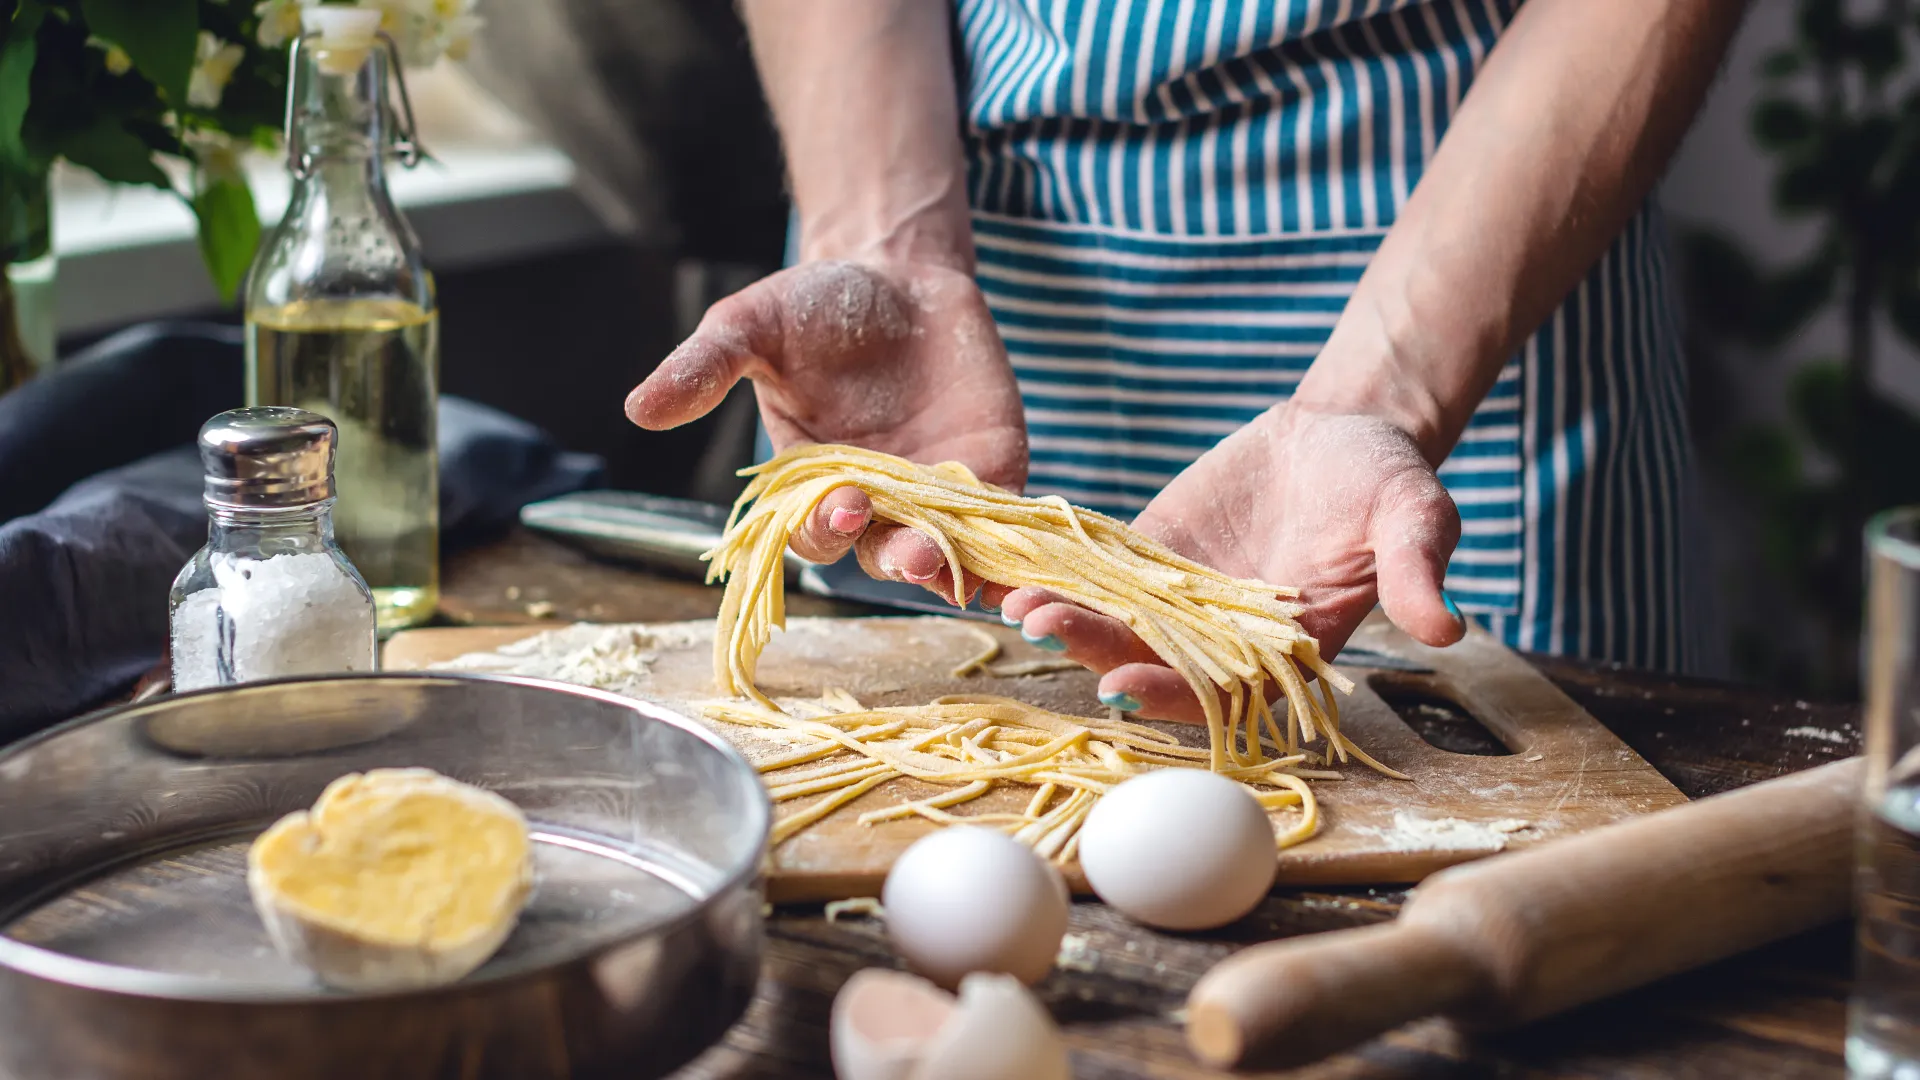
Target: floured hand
(900,357)
(1342,506)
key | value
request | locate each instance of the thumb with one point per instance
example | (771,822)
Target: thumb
(695,378)
(1414,531)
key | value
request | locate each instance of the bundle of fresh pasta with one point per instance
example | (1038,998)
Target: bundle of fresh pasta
(1229,638)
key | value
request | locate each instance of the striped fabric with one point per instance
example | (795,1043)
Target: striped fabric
(1173,200)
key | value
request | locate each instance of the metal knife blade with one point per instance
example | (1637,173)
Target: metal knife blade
(626,526)
(671,534)
(1355,656)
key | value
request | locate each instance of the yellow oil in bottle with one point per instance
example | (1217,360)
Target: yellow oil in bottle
(372,367)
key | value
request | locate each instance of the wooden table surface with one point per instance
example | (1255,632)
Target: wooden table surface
(1778,1012)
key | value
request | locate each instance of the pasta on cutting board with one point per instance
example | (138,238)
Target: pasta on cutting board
(1228,637)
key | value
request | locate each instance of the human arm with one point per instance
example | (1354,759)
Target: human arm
(1564,131)
(878,337)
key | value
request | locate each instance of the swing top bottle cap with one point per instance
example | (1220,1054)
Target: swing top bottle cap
(342,35)
(267,458)
(341,27)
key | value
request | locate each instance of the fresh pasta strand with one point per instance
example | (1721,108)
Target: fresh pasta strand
(988,661)
(1221,633)
(1229,638)
(973,744)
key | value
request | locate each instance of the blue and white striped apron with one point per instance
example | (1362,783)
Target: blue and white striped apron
(1173,201)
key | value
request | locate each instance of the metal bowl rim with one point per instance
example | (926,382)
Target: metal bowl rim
(57,967)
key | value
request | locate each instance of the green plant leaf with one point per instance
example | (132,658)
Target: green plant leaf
(1739,301)
(1782,63)
(159,35)
(157,136)
(1795,295)
(1810,183)
(1903,306)
(1800,539)
(116,154)
(1876,442)
(1901,181)
(1817,399)
(1764,462)
(1823,26)
(1865,144)
(1877,49)
(1781,124)
(17,56)
(1721,283)
(229,233)
(1889,445)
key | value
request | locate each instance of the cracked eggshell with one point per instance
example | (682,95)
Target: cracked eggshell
(968,899)
(999,1031)
(1179,849)
(889,1025)
(882,1021)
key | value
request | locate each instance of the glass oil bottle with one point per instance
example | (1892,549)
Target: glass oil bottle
(341,317)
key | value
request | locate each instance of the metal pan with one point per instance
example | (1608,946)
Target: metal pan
(129,949)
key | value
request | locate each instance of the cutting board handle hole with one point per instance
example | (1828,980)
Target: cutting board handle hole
(1433,714)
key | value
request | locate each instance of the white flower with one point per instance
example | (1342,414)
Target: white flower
(426,30)
(280,20)
(459,35)
(117,60)
(217,157)
(213,67)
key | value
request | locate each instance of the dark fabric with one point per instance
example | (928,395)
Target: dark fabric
(100,505)
(136,393)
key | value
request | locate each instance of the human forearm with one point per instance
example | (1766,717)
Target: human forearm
(1565,130)
(863,94)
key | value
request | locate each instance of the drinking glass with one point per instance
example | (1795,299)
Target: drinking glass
(1883,1030)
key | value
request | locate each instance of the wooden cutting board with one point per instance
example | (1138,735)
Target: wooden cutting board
(1565,772)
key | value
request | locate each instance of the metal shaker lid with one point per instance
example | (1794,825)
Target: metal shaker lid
(267,457)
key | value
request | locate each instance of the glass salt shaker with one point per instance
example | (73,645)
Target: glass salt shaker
(271,594)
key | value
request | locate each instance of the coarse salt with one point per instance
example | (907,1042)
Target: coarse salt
(288,615)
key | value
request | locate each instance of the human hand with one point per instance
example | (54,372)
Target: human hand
(896,356)
(1343,506)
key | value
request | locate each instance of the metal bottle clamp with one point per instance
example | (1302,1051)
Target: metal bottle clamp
(406,142)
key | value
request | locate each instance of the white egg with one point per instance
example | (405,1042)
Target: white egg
(1180,849)
(968,899)
(888,1025)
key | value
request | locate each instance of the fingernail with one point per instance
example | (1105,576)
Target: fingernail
(846,522)
(1008,618)
(1453,609)
(984,606)
(1119,699)
(1047,642)
(918,579)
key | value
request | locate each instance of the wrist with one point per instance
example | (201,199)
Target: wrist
(928,223)
(1367,375)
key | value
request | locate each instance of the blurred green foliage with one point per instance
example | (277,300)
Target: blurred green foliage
(1840,119)
(63,97)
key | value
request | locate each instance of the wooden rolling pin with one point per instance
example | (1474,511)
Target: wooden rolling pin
(1517,937)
